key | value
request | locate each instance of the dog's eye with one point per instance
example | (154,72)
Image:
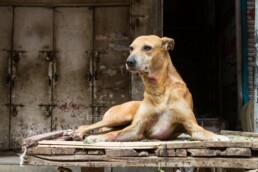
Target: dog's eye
(147,48)
(131,48)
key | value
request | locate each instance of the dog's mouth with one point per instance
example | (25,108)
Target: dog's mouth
(137,69)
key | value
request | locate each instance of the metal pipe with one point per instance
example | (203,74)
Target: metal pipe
(10,88)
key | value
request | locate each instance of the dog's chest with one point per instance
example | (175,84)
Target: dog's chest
(162,127)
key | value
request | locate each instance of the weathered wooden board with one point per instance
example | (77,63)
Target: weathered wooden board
(246,163)
(232,154)
(29,141)
(255,146)
(73,157)
(150,145)
(165,152)
(195,144)
(204,152)
(237,152)
(240,152)
(181,152)
(239,133)
(50,151)
(102,144)
(96,147)
(121,152)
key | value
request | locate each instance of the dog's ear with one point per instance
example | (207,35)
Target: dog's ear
(168,43)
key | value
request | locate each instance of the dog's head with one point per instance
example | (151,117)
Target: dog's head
(147,53)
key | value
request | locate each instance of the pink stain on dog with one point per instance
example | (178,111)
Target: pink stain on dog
(152,78)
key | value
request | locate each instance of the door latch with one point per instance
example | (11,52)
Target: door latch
(135,20)
(50,57)
(13,108)
(48,108)
(94,56)
(13,61)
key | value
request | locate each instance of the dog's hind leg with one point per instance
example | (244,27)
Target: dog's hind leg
(131,133)
(116,116)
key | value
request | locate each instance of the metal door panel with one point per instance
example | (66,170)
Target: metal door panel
(73,95)
(6,19)
(33,32)
(111,33)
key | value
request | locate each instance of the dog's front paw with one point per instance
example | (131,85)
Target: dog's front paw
(82,130)
(217,137)
(68,134)
(94,139)
(77,136)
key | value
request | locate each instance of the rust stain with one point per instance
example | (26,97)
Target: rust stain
(72,107)
(251,13)
(65,107)
(115,36)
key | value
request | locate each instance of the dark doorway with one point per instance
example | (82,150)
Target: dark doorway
(205,54)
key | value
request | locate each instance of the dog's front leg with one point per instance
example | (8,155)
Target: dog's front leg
(131,133)
(187,118)
(199,133)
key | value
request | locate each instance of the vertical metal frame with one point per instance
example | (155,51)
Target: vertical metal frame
(256,70)
(6,22)
(238,55)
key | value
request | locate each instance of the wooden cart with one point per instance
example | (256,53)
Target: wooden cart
(46,149)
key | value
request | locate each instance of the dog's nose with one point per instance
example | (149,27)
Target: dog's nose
(130,62)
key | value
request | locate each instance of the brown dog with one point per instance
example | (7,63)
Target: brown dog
(167,107)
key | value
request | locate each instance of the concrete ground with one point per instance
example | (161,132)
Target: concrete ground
(9,162)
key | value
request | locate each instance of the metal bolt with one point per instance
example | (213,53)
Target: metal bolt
(14,111)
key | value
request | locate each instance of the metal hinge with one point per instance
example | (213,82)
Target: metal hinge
(13,108)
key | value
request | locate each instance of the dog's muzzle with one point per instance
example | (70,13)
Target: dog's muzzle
(130,62)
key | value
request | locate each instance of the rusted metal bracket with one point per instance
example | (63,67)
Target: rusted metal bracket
(13,108)
(14,59)
(94,56)
(98,105)
(50,57)
(135,19)
(48,108)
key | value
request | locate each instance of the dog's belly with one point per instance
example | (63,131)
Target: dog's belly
(160,133)
(163,128)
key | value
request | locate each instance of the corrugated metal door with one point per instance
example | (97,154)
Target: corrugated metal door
(33,32)
(73,91)
(68,64)
(111,80)
(5,43)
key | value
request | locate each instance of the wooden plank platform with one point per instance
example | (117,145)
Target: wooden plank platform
(240,152)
